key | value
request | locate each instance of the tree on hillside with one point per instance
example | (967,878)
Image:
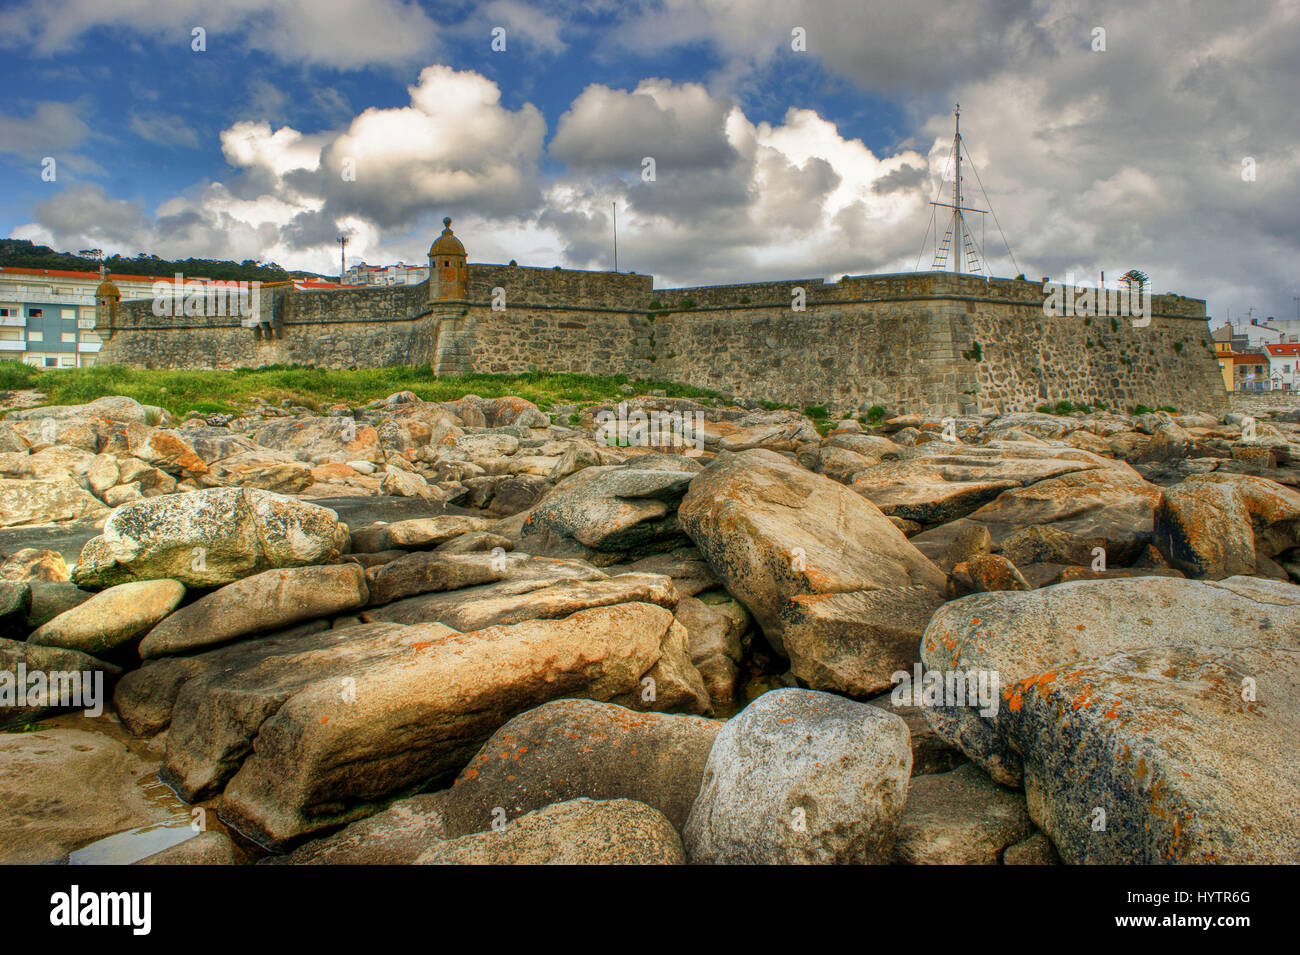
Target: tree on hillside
(22,253)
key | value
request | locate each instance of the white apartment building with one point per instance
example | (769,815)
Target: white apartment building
(47,316)
(399,274)
(1283,366)
(1271,331)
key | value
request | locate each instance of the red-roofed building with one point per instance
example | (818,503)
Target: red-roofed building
(1251,371)
(1284,366)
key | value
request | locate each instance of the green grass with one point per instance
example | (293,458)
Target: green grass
(27,728)
(211,392)
(821,418)
(1063,408)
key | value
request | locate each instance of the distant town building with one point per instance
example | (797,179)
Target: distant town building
(399,274)
(1283,366)
(1288,330)
(1252,373)
(1271,331)
(1223,351)
(48,316)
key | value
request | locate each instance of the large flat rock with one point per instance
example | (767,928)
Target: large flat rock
(304,732)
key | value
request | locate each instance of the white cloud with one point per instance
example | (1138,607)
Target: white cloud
(337,33)
(1127,158)
(678,125)
(163,129)
(54,130)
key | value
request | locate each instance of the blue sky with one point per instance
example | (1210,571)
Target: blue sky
(771,162)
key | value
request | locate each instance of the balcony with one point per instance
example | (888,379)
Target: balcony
(86,323)
(12,321)
(89,347)
(12,345)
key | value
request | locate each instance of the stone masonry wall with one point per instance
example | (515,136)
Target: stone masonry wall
(929,342)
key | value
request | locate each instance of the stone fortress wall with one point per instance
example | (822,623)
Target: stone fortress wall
(932,342)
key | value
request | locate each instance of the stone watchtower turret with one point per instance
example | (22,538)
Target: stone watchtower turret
(107,297)
(448,270)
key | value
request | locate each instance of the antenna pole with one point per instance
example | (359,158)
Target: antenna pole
(343,257)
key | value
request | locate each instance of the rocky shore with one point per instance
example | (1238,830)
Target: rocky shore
(477,632)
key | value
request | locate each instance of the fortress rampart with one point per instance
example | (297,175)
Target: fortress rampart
(934,342)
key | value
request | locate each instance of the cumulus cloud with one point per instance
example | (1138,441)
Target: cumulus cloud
(731,199)
(386,172)
(1110,160)
(455,147)
(680,126)
(83,216)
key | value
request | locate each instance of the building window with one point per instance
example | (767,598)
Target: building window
(5,312)
(35,312)
(51,361)
(35,336)
(67,313)
(67,361)
(67,336)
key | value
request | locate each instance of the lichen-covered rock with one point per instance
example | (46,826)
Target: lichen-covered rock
(577,832)
(31,564)
(567,749)
(45,502)
(1205,530)
(1020,635)
(1148,719)
(1165,754)
(608,514)
(1274,509)
(772,530)
(993,572)
(209,538)
(802,777)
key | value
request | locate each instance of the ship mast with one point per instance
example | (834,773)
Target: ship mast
(968,249)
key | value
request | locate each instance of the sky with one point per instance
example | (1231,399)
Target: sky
(788,139)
